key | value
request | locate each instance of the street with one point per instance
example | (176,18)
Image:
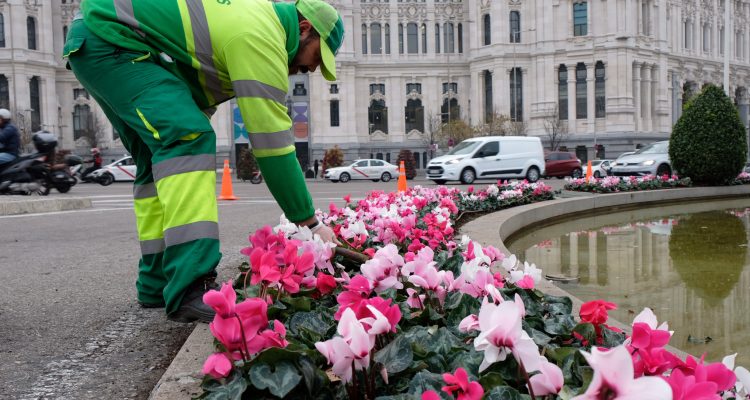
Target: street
(70,327)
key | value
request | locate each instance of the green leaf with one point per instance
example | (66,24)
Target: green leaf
(558,304)
(232,389)
(275,355)
(588,331)
(468,360)
(444,341)
(491,380)
(424,381)
(396,356)
(559,325)
(505,393)
(315,378)
(612,338)
(280,381)
(301,303)
(312,321)
(560,353)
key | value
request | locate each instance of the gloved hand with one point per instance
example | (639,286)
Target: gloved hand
(326,234)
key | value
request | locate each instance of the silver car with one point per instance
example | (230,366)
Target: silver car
(650,160)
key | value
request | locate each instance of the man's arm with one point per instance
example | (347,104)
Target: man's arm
(258,69)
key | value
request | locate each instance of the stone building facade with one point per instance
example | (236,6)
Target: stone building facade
(615,72)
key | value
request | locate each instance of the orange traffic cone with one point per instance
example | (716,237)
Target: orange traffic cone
(402,178)
(588,172)
(226,183)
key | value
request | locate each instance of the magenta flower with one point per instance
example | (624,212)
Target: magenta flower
(595,311)
(222,301)
(688,387)
(358,290)
(352,348)
(218,365)
(549,380)
(613,378)
(458,385)
(391,312)
(430,395)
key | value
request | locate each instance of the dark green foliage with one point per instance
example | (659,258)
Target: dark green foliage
(410,164)
(709,143)
(247,165)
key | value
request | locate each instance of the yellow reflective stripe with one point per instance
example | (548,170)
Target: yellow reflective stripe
(141,58)
(261,153)
(189,42)
(188,198)
(263,115)
(148,126)
(191,136)
(148,214)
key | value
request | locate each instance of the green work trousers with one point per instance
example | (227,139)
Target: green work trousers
(174,148)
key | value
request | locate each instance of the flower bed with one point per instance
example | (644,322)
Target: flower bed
(421,315)
(742,179)
(613,184)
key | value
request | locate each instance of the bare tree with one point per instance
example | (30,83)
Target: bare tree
(98,129)
(517,128)
(556,128)
(496,125)
(24,129)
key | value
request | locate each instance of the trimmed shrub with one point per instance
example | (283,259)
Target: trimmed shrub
(708,143)
(333,158)
(410,164)
(247,165)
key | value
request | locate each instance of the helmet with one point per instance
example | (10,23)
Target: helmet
(94,150)
(4,114)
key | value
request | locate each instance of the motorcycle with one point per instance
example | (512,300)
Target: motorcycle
(31,173)
(78,170)
(256,178)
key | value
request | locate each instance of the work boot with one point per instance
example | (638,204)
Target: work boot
(151,305)
(192,308)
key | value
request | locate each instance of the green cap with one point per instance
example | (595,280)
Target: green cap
(327,22)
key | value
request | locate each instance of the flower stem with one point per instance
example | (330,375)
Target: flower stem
(246,353)
(528,380)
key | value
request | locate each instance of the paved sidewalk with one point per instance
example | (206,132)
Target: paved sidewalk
(14,205)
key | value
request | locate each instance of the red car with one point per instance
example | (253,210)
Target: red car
(562,164)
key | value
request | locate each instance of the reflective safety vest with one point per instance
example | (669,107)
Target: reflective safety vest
(219,48)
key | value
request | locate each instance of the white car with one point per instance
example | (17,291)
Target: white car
(374,170)
(600,168)
(121,170)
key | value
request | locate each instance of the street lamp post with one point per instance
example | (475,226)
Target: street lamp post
(516,34)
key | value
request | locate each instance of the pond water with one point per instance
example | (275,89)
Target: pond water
(687,262)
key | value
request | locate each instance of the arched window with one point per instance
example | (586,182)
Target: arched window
(515,27)
(450,45)
(688,91)
(36,105)
(65,32)
(516,95)
(412,34)
(581,99)
(400,38)
(364,39)
(376,44)
(423,28)
(81,121)
(31,32)
(599,90)
(417,159)
(4,93)
(437,38)
(460,38)
(2,30)
(562,92)
(378,116)
(387,39)
(488,107)
(580,19)
(487,29)
(450,111)
(414,113)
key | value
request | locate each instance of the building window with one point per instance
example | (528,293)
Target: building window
(599,90)
(334,113)
(4,93)
(452,86)
(80,92)
(645,18)
(487,29)
(516,94)
(378,116)
(450,111)
(376,43)
(412,35)
(364,39)
(460,38)
(31,32)
(488,107)
(721,41)
(423,28)
(377,87)
(387,39)
(400,38)
(706,38)
(581,100)
(450,45)
(515,27)
(2,30)
(437,38)
(65,32)
(738,44)
(299,89)
(562,92)
(334,89)
(580,19)
(414,112)
(413,87)
(36,104)
(81,121)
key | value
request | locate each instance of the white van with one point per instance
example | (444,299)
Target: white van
(490,157)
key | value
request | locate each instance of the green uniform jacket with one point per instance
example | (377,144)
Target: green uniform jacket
(220,49)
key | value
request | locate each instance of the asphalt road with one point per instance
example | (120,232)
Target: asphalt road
(69,324)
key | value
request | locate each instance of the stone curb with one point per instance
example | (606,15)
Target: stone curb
(182,378)
(26,205)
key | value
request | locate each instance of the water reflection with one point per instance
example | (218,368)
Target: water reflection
(687,262)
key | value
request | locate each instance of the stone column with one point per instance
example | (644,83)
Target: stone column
(571,98)
(637,95)
(573,254)
(676,98)
(593,273)
(590,99)
(646,96)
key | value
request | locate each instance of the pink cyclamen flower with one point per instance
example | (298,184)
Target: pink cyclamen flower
(595,311)
(222,301)
(646,335)
(468,324)
(526,283)
(358,290)
(430,395)
(218,365)
(613,378)
(501,334)
(549,380)
(351,348)
(688,387)
(458,385)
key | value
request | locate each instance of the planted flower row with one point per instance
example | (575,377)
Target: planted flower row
(613,184)
(425,316)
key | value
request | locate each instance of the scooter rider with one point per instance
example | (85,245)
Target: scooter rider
(10,139)
(96,158)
